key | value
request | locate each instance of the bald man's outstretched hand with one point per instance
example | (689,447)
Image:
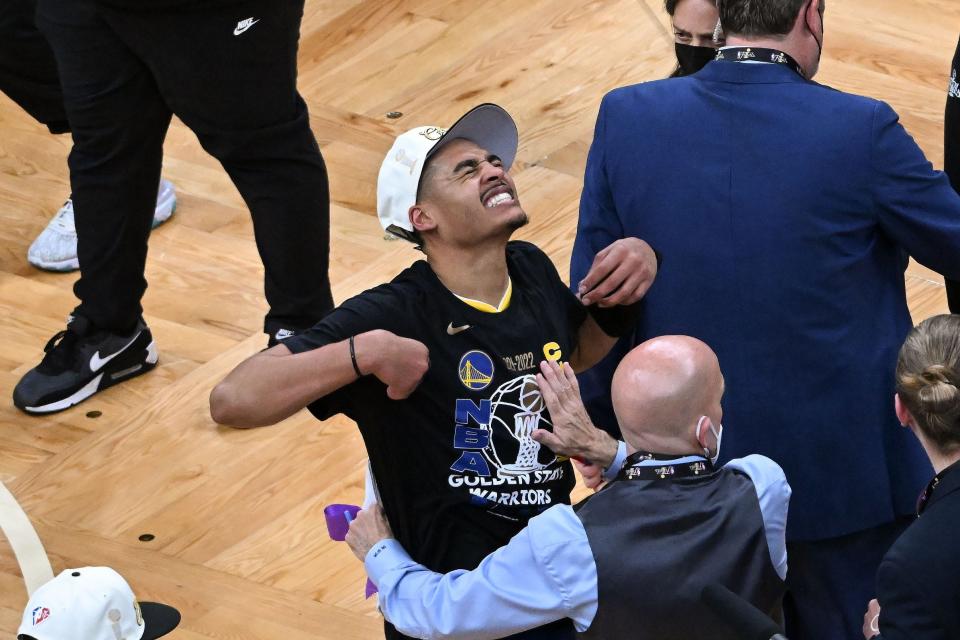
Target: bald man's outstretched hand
(574,434)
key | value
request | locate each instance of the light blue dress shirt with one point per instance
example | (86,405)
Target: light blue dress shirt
(611,472)
(545,573)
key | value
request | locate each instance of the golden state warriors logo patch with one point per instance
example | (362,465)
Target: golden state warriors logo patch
(476,370)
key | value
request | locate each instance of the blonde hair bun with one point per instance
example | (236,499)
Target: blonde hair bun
(938,391)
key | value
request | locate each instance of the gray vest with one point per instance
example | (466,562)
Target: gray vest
(657,543)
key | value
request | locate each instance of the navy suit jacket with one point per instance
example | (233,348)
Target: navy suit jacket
(784,212)
(917,584)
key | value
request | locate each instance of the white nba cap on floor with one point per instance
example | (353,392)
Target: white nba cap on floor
(93,603)
(487,125)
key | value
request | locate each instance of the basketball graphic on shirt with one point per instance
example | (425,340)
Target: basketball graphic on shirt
(517,410)
(530,398)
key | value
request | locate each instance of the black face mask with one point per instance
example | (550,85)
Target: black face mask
(692,59)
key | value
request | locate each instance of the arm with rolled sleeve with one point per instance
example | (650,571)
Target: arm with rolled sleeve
(773,492)
(917,207)
(545,573)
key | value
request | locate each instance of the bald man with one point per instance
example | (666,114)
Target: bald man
(630,561)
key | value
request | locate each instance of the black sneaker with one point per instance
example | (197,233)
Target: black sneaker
(81,361)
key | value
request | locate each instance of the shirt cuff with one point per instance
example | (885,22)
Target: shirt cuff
(386,555)
(611,472)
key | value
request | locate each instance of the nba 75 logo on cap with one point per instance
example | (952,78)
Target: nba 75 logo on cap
(40,614)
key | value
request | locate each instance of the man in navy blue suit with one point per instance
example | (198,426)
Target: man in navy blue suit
(783,239)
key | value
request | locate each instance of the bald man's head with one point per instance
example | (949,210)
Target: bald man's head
(661,390)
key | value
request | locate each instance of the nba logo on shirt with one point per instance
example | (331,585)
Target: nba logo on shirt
(40,614)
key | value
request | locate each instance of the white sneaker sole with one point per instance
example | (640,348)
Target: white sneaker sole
(79,396)
(166,206)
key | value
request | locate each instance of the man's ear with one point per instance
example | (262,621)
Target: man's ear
(705,423)
(813,11)
(421,219)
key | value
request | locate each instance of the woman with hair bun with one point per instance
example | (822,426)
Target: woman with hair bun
(918,583)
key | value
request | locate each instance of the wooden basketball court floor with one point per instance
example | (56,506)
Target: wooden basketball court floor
(239,540)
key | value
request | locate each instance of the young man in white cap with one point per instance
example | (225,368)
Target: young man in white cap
(438,367)
(93,603)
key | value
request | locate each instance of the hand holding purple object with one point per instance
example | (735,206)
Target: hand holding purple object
(339,517)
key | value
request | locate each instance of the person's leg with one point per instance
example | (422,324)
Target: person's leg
(230,73)
(118,122)
(28,70)
(951,155)
(282,177)
(29,76)
(830,582)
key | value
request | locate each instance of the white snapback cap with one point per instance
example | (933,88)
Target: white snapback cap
(93,603)
(487,125)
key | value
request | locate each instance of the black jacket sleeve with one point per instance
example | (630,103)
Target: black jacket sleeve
(906,612)
(380,308)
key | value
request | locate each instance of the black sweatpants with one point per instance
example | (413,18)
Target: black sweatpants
(28,71)
(951,156)
(229,72)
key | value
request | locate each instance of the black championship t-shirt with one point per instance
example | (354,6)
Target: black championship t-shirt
(457,470)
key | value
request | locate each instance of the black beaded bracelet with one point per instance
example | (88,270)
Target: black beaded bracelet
(353,358)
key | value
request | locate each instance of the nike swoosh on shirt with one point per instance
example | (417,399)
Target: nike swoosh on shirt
(243,26)
(452,330)
(96,362)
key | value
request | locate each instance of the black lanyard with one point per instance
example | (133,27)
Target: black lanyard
(632,469)
(754,54)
